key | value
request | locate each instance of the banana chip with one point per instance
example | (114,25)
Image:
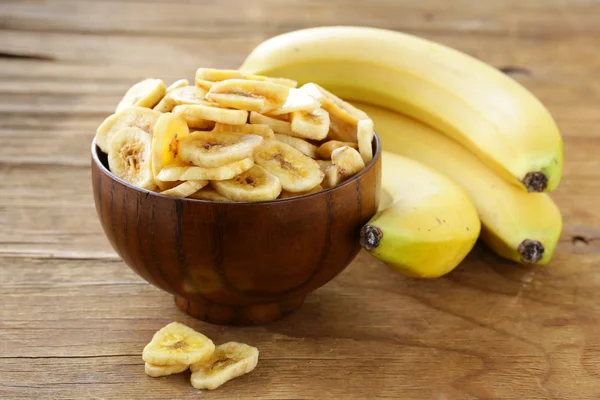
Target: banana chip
(229,361)
(139,117)
(324,164)
(178,84)
(295,171)
(277,125)
(297,100)
(310,124)
(255,184)
(215,149)
(299,144)
(343,116)
(259,96)
(177,344)
(168,132)
(182,95)
(365,139)
(286,195)
(324,151)
(252,129)
(206,77)
(186,172)
(210,194)
(156,371)
(195,115)
(185,189)
(347,162)
(130,157)
(146,93)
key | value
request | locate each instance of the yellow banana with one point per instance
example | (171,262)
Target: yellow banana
(426,225)
(475,104)
(517,225)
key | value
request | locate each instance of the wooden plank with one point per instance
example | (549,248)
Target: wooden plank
(513,17)
(349,328)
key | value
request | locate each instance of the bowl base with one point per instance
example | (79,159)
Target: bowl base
(221,314)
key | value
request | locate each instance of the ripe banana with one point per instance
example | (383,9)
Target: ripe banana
(517,225)
(426,224)
(483,109)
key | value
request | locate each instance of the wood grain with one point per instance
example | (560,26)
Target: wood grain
(74,318)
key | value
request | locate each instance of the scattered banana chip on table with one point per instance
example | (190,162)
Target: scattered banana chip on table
(177,344)
(234,137)
(229,361)
(176,348)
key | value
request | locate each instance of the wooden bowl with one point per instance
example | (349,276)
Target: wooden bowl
(236,263)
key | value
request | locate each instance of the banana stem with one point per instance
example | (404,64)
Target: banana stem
(535,182)
(370,237)
(531,251)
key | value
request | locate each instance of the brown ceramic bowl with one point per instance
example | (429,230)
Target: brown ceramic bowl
(236,263)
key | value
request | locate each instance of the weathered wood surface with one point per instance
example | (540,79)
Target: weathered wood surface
(74,318)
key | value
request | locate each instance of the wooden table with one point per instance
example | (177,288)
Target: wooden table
(74,318)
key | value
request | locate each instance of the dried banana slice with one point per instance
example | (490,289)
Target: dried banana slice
(139,117)
(255,184)
(178,84)
(365,139)
(182,95)
(130,157)
(310,124)
(188,172)
(343,116)
(185,189)
(156,371)
(215,149)
(286,195)
(210,194)
(252,129)
(230,360)
(297,100)
(324,164)
(146,93)
(277,125)
(177,344)
(295,171)
(324,151)
(169,131)
(299,144)
(347,162)
(206,77)
(260,96)
(196,114)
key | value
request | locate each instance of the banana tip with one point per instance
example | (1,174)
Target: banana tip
(531,251)
(370,236)
(535,181)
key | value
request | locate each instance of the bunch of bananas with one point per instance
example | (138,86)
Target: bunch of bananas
(468,152)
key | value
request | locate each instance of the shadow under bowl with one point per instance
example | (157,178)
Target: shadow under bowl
(236,263)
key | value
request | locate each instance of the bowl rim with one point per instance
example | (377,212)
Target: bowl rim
(376,156)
